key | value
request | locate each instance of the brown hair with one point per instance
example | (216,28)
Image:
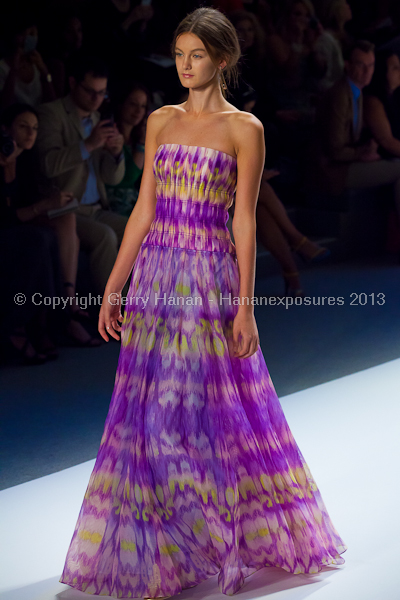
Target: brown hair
(219,37)
(363,45)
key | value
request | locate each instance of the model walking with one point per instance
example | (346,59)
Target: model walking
(197,472)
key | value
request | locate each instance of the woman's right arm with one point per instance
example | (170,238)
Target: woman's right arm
(379,124)
(137,227)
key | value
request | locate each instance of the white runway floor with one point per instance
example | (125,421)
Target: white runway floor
(349,433)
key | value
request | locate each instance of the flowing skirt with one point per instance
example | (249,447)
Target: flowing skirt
(197,472)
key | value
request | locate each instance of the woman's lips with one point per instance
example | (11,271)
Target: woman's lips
(187,75)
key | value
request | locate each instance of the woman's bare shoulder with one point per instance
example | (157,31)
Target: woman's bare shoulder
(245,126)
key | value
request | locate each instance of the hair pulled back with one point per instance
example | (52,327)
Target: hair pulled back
(219,37)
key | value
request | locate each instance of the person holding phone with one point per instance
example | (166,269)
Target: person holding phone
(132,108)
(82,152)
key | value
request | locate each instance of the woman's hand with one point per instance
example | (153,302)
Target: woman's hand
(58,200)
(269,174)
(6,161)
(110,315)
(36,59)
(245,335)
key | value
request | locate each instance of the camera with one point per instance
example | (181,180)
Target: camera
(6,144)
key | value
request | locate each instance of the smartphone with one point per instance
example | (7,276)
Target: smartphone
(107,114)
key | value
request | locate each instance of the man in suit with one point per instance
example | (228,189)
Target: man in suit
(81,153)
(342,161)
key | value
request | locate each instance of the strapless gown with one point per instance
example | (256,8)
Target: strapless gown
(197,471)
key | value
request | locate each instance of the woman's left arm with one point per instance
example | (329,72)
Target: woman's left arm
(379,124)
(250,167)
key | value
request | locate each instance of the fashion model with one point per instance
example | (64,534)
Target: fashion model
(197,472)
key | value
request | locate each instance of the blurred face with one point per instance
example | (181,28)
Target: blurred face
(20,38)
(393,72)
(89,93)
(361,67)
(133,109)
(246,34)
(345,13)
(24,130)
(299,17)
(73,34)
(192,58)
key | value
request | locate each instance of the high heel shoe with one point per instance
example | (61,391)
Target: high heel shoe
(320,254)
(289,290)
(80,315)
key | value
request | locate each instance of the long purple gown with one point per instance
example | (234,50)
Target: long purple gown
(197,472)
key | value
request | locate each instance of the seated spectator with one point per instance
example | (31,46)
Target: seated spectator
(23,210)
(336,16)
(24,77)
(64,41)
(252,40)
(342,161)
(81,153)
(382,105)
(297,63)
(132,109)
(279,235)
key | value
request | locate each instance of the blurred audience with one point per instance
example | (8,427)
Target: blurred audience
(300,74)
(279,235)
(297,62)
(337,15)
(132,109)
(23,208)
(64,41)
(382,104)
(80,152)
(342,158)
(24,76)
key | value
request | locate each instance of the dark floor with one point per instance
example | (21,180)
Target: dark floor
(53,414)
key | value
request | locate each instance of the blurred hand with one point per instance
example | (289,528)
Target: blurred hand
(99,135)
(5,161)
(288,115)
(115,142)
(269,174)
(110,315)
(369,152)
(58,199)
(36,59)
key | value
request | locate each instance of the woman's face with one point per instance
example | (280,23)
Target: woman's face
(191,57)
(27,39)
(24,130)
(73,34)
(246,34)
(393,72)
(299,18)
(133,109)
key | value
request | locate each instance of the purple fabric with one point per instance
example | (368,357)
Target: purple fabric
(197,472)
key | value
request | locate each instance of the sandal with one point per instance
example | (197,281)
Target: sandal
(91,342)
(320,254)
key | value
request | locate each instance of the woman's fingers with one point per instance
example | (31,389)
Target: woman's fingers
(101,328)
